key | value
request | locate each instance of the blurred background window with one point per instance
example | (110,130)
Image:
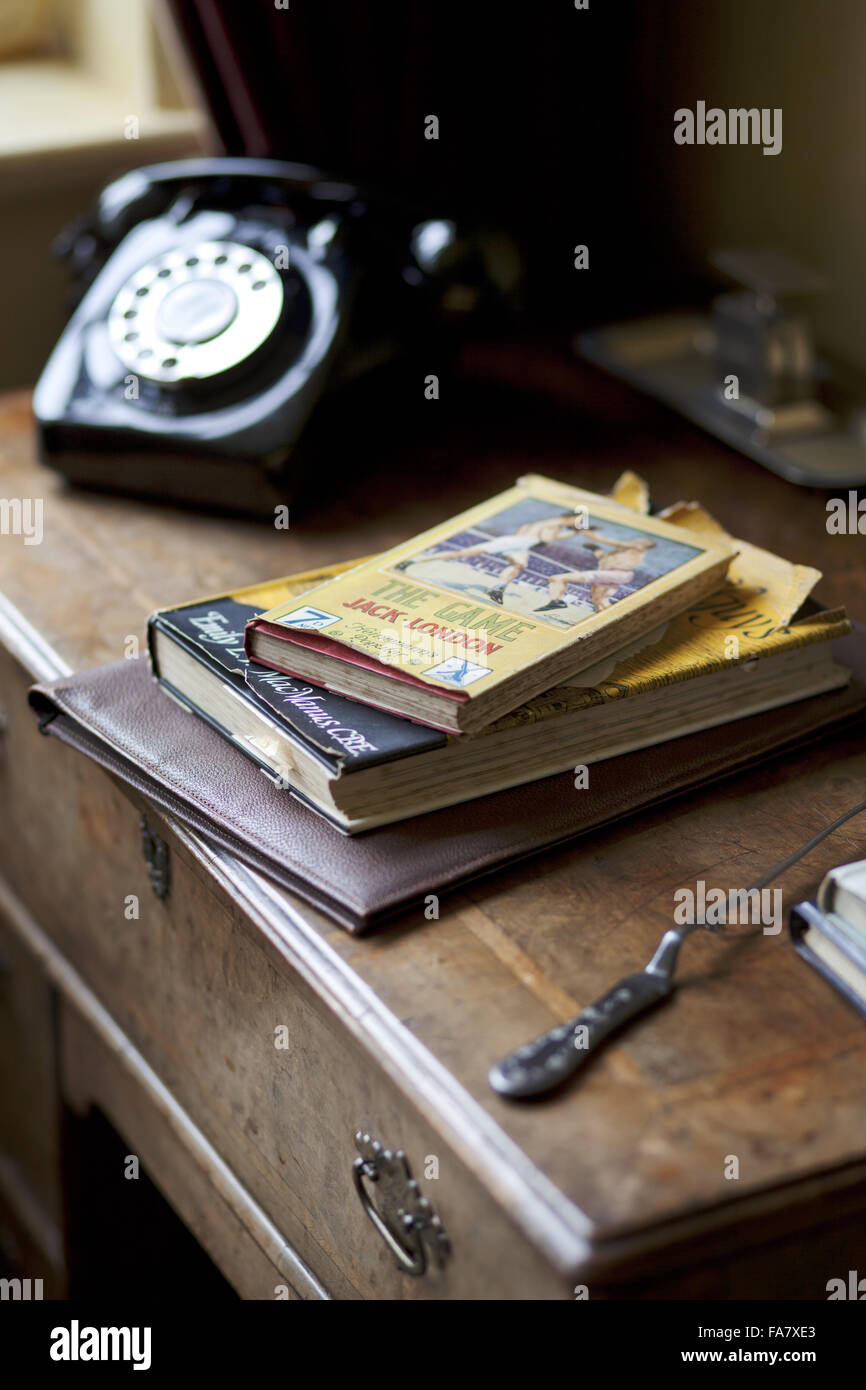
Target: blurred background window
(88,89)
(27,29)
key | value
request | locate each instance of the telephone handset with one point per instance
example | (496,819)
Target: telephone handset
(217,300)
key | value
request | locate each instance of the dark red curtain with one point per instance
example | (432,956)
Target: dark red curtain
(535,104)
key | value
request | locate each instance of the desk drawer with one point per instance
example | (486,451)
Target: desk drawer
(266,1069)
(100,1069)
(30,1180)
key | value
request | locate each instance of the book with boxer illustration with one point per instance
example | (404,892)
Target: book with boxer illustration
(759,643)
(469,620)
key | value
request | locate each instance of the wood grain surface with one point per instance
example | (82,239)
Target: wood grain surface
(756,1056)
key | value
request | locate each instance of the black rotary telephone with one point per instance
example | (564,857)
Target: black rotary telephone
(216,301)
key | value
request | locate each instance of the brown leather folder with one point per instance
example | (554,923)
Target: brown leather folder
(118,716)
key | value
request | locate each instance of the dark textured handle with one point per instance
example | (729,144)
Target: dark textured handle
(540,1065)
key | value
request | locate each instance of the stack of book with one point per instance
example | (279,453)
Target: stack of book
(543,631)
(831,934)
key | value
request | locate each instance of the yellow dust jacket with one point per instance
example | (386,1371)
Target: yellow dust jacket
(533,573)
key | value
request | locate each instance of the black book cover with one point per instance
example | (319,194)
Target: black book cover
(344,735)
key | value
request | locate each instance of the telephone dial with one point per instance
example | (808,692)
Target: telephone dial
(217,300)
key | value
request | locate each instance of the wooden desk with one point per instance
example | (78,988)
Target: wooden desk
(166,1023)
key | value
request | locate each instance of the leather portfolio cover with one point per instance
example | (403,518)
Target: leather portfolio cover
(118,716)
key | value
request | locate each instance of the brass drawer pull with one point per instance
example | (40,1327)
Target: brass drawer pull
(404,1219)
